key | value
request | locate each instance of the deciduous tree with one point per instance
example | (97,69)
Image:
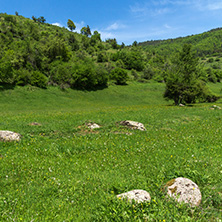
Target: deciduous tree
(71,25)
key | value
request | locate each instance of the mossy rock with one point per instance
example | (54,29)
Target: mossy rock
(184,190)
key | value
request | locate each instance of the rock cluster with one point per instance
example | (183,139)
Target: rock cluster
(181,189)
(9,136)
(137,195)
(133,125)
(215,107)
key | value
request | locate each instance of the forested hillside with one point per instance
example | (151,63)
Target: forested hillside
(205,44)
(34,52)
(40,54)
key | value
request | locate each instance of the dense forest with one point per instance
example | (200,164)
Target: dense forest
(40,54)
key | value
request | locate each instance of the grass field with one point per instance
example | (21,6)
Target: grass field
(61,171)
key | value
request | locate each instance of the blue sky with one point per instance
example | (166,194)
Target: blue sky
(126,20)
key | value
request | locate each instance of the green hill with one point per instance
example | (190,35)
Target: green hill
(33,52)
(205,44)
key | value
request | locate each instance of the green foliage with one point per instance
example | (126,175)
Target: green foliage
(132,59)
(113,43)
(102,57)
(22,77)
(86,31)
(183,84)
(119,75)
(204,44)
(38,79)
(58,49)
(71,25)
(6,67)
(148,72)
(33,45)
(41,19)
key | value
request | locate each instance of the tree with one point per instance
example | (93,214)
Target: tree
(6,67)
(183,84)
(41,19)
(34,18)
(71,25)
(86,31)
(135,43)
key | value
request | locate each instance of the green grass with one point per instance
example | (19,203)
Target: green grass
(60,171)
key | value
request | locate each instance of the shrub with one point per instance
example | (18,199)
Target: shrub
(134,74)
(22,77)
(38,79)
(210,60)
(102,57)
(119,76)
(148,73)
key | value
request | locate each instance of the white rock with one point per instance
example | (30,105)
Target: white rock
(184,190)
(137,195)
(93,125)
(133,125)
(9,136)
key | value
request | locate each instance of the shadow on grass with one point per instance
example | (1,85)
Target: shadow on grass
(96,88)
(6,86)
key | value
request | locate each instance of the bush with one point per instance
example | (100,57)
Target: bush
(134,74)
(148,73)
(87,76)
(22,77)
(102,76)
(38,79)
(210,60)
(61,73)
(119,76)
(102,57)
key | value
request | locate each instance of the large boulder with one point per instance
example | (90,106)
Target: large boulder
(133,125)
(137,195)
(9,136)
(184,190)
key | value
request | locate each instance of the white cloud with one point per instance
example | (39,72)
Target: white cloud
(106,35)
(79,26)
(160,11)
(210,6)
(115,26)
(167,26)
(57,24)
(150,9)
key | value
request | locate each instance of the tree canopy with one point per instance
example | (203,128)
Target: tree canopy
(71,25)
(183,84)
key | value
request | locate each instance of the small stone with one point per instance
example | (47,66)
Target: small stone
(133,125)
(35,124)
(184,190)
(215,107)
(181,105)
(137,195)
(9,136)
(93,126)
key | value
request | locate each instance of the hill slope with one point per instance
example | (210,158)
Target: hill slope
(205,44)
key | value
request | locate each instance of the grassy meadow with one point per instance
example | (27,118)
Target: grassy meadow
(62,171)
